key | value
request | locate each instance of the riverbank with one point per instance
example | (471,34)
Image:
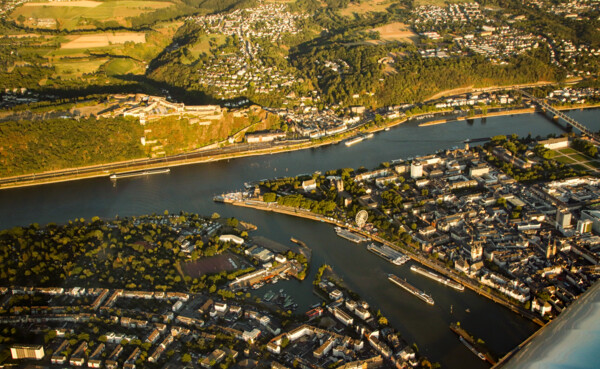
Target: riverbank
(195,157)
(259,205)
(205,155)
(479,116)
(504,113)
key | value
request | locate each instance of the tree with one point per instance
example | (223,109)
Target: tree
(186,358)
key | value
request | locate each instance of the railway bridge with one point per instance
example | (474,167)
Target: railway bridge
(570,121)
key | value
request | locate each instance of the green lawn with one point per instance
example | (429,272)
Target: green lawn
(564,159)
(567,150)
(580,157)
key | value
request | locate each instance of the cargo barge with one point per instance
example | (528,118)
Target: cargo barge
(139,173)
(388,253)
(438,278)
(353,237)
(410,288)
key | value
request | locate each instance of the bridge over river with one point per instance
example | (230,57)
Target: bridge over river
(570,121)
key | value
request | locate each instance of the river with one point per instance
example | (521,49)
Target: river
(190,188)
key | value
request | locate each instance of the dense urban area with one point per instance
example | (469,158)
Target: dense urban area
(123,89)
(507,219)
(170,290)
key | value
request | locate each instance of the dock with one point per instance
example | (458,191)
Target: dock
(473,346)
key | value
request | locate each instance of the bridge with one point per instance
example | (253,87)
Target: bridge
(572,122)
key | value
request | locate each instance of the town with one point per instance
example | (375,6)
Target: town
(205,316)
(532,246)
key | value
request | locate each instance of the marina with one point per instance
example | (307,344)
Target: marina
(438,278)
(410,288)
(350,236)
(386,252)
(139,173)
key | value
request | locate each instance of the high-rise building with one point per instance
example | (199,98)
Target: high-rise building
(27,352)
(563,219)
(416,169)
(584,226)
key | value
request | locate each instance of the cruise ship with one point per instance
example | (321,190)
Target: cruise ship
(353,237)
(138,173)
(388,253)
(438,278)
(410,288)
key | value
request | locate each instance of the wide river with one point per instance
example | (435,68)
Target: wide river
(191,189)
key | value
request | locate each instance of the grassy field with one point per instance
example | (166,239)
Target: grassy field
(564,160)
(124,66)
(396,31)
(568,151)
(76,68)
(366,7)
(70,15)
(203,44)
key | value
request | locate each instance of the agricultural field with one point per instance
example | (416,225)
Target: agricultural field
(396,31)
(82,14)
(365,7)
(103,39)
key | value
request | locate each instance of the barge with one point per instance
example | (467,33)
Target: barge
(388,253)
(139,173)
(410,288)
(438,278)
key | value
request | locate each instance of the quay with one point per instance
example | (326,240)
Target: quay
(438,278)
(410,288)
(139,173)
(466,339)
(307,214)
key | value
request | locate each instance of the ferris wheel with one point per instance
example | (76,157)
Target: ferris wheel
(361,218)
